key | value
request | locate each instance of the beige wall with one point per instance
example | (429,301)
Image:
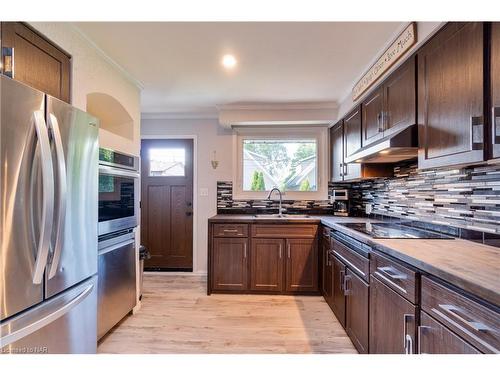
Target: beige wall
(210,137)
(92,72)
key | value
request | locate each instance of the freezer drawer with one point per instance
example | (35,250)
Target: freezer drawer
(117,281)
(66,323)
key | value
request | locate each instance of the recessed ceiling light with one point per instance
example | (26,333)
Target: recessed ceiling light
(229,61)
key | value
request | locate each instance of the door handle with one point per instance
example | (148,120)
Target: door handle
(347,278)
(342,277)
(47,197)
(477,132)
(407,339)
(289,251)
(279,250)
(62,194)
(245,250)
(8,61)
(341,169)
(496,125)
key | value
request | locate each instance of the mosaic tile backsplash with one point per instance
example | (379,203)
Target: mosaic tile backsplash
(467,198)
(226,204)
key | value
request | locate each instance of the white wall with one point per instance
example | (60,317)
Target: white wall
(210,137)
(92,72)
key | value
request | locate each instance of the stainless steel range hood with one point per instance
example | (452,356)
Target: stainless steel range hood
(397,146)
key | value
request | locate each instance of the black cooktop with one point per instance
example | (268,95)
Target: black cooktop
(391,230)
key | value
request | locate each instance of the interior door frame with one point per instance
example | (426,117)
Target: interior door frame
(195,189)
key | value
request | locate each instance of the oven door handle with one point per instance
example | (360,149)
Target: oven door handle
(110,171)
(116,246)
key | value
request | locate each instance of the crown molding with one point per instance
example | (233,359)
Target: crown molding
(181,115)
(257,106)
(107,58)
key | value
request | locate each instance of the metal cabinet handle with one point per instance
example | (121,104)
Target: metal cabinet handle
(380,124)
(347,278)
(61,202)
(280,251)
(419,338)
(407,339)
(289,250)
(476,326)
(342,277)
(392,273)
(477,132)
(245,250)
(346,172)
(496,125)
(341,169)
(230,230)
(47,198)
(8,61)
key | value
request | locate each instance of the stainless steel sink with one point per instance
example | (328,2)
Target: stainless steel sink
(282,216)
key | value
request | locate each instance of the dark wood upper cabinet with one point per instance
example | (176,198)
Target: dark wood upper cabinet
(337,151)
(392,321)
(229,264)
(357,302)
(495,87)
(35,62)
(266,264)
(450,97)
(400,102)
(372,117)
(302,265)
(352,143)
(338,298)
(435,338)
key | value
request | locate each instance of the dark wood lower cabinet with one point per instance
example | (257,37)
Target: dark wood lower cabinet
(338,296)
(230,264)
(357,301)
(301,265)
(435,338)
(266,264)
(392,321)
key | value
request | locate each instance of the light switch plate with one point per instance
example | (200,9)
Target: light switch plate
(203,192)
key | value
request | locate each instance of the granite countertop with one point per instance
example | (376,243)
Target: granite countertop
(471,266)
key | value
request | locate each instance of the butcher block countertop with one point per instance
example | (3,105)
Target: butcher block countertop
(468,265)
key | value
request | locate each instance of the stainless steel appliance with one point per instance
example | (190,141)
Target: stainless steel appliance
(118,213)
(340,200)
(392,230)
(49,175)
(118,191)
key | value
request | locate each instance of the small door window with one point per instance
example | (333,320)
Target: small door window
(167,162)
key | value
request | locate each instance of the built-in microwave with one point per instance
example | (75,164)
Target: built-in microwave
(118,191)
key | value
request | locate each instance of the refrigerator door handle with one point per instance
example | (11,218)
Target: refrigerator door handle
(62,194)
(12,334)
(47,197)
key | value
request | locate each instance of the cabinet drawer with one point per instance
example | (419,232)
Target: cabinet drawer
(475,323)
(401,279)
(435,338)
(231,230)
(284,231)
(352,259)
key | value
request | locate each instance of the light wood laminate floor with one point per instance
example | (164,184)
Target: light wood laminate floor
(178,317)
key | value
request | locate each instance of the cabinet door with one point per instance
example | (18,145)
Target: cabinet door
(392,321)
(450,97)
(400,110)
(352,143)
(356,323)
(229,264)
(435,338)
(301,265)
(495,87)
(338,296)
(337,151)
(328,278)
(36,62)
(266,265)
(372,117)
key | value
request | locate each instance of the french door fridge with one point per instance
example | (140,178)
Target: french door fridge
(48,255)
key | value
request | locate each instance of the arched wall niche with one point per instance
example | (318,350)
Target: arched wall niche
(113,117)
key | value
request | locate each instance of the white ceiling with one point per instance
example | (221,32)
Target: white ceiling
(179,63)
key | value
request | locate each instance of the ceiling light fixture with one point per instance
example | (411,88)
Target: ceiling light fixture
(229,61)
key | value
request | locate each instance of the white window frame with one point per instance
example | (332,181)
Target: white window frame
(318,133)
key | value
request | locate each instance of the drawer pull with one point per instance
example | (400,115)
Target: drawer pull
(463,330)
(347,263)
(392,273)
(390,282)
(476,326)
(347,291)
(230,230)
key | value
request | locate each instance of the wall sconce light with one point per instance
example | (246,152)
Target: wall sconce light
(214,161)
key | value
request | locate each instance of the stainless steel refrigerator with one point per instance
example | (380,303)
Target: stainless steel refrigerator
(48,256)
